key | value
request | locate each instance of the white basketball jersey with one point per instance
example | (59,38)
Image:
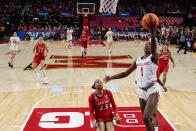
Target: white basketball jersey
(69,33)
(109,35)
(145,72)
(13,40)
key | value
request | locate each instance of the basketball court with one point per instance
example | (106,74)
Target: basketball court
(28,104)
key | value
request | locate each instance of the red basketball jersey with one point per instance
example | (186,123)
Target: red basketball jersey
(164,61)
(83,37)
(40,49)
(100,106)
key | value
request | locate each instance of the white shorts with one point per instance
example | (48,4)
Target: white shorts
(145,94)
(109,40)
(14,48)
(69,38)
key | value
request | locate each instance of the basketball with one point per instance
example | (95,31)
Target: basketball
(146,20)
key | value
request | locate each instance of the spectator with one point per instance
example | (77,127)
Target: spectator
(45,36)
(27,36)
(182,42)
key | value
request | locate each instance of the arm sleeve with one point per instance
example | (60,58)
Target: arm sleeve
(112,102)
(91,108)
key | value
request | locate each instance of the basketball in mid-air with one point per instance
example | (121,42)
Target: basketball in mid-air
(147,19)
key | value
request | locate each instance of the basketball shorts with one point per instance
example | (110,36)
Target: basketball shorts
(109,40)
(156,88)
(69,38)
(84,44)
(105,118)
(162,69)
(14,48)
(38,58)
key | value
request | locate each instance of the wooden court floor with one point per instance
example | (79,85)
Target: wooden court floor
(20,91)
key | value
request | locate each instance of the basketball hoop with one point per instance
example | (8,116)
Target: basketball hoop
(108,6)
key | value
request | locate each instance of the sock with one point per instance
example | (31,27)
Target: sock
(156,128)
(44,72)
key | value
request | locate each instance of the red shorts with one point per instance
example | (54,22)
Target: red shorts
(105,118)
(162,69)
(84,44)
(38,58)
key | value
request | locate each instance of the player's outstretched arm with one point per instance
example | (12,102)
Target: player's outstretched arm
(122,74)
(154,52)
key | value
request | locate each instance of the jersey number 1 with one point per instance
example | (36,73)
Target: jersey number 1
(141,70)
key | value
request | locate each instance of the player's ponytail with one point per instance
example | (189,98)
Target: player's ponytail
(93,86)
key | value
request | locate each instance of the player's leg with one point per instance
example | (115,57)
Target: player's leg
(71,44)
(82,49)
(12,58)
(101,126)
(150,108)
(43,71)
(12,53)
(85,52)
(185,45)
(181,47)
(109,126)
(142,104)
(155,120)
(34,65)
(164,77)
(110,47)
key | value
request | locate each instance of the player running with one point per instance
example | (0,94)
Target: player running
(39,58)
(163,65)
(14,42)
(109,35)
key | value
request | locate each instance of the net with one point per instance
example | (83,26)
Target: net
(108,6)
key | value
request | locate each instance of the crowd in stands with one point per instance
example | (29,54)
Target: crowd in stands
(9,14)
(31,20)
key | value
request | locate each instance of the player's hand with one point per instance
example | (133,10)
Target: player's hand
(117,120)
(107,79)
(95,125)
(174,65)
(165,89)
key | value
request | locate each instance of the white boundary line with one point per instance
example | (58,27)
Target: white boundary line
(24,124)
(167,120)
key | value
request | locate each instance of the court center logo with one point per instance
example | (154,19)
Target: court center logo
(77,119)
(91,62)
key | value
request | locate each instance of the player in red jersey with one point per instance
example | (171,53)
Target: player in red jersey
(163,65)
(84,37)
(39,58)
(100,111)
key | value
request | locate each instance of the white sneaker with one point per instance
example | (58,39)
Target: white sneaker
(45,81)
(37,76)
